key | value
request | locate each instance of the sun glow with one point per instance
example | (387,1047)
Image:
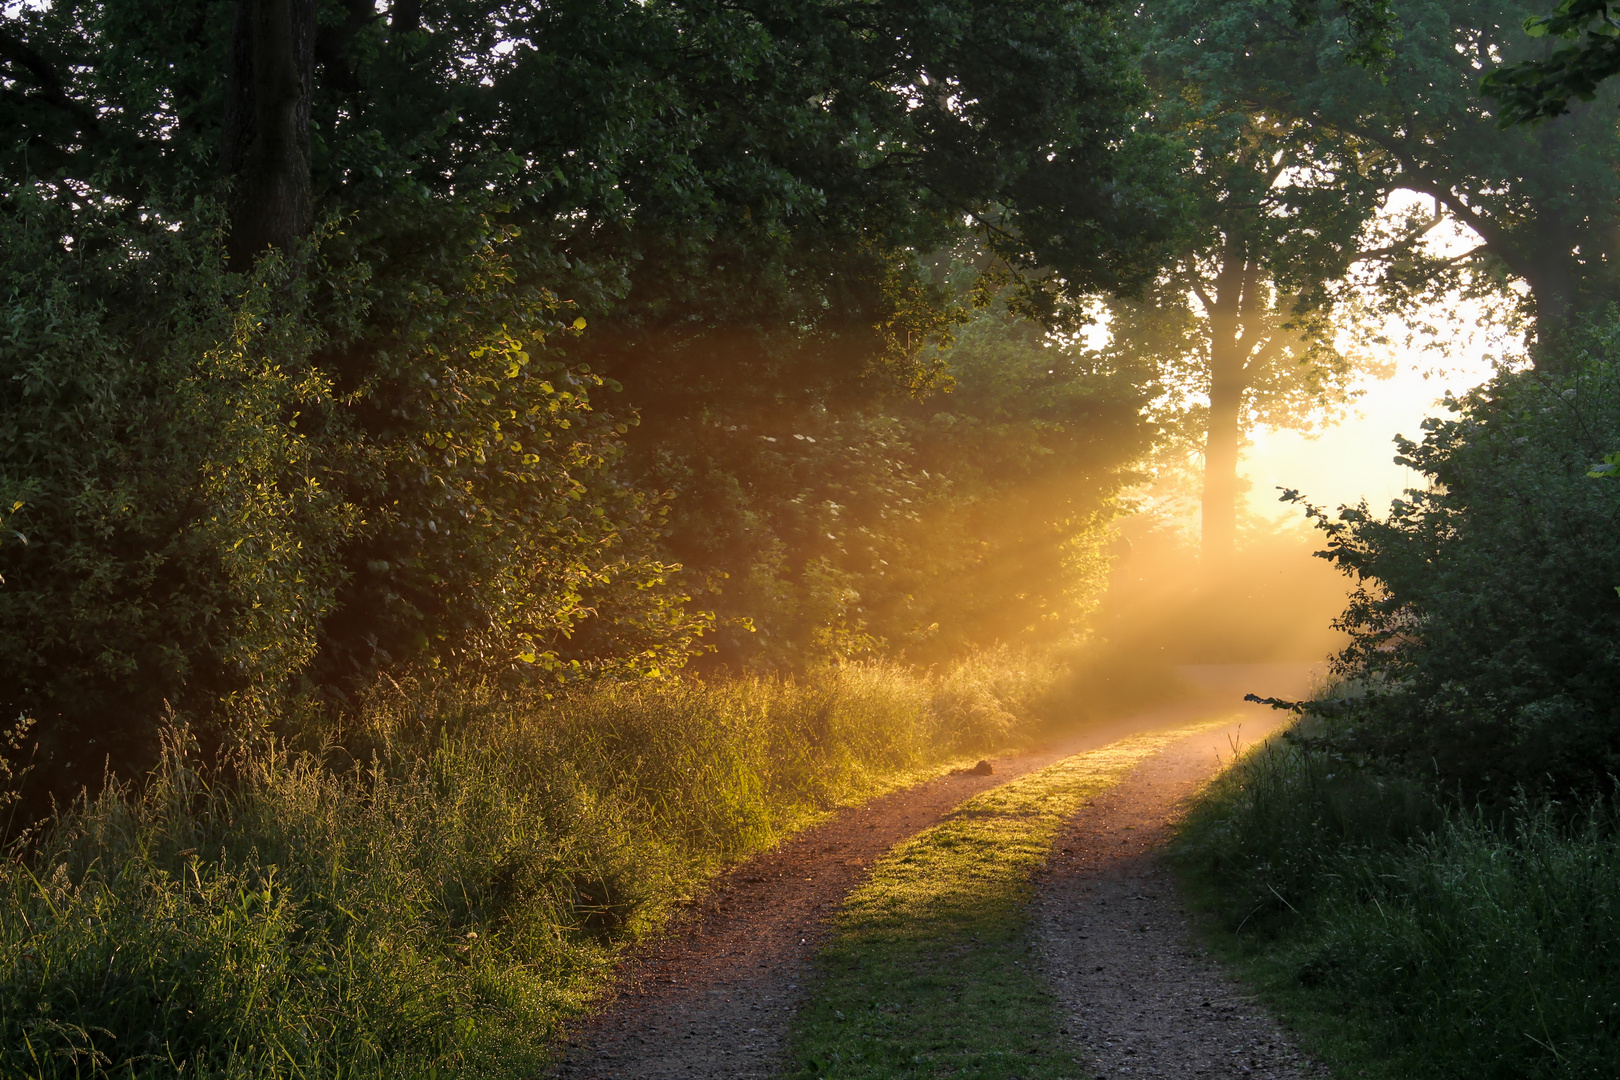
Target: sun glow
(1353,460)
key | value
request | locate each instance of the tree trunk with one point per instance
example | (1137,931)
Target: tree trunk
(1228,310)
(1554,281)
(266,154)
(1221,440)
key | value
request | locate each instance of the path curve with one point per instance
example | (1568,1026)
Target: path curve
(714,996)
(1138,995)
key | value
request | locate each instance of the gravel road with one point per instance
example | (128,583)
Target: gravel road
(714,997)
(1140,998)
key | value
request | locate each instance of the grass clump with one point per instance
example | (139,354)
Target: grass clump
(1409,938)
(436,889)
(928,972)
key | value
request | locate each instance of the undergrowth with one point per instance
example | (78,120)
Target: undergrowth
(1409,937)
(435,889)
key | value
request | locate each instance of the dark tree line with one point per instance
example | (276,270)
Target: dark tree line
(580,339)
(345,340)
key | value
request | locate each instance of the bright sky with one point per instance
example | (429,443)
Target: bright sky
(1354,460)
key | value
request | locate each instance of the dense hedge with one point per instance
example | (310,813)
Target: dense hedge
(197,513)
(1486,628)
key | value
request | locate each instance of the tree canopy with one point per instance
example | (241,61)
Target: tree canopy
(1541,88)
(1541,200)
(345,338)
(1241,325)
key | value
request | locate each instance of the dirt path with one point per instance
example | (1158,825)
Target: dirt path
(1140,998)
(714,998)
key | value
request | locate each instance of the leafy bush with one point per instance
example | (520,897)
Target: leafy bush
(198,512)
(169,532)
(1411,864)
(1486,624)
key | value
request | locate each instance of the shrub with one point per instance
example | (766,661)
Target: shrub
(169,534)
(1455,944)
(1486,621)
(202,508)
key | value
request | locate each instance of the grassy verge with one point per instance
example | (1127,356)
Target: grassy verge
(433,891)
(928,973)
(1406,941)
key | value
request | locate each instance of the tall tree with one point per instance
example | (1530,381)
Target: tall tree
(1241,326)
(1544,202)
(265,152)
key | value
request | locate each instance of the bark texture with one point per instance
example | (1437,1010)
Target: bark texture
(266,152)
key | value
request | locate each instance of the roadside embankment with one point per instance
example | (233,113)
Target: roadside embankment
(1404,935)
(435,889)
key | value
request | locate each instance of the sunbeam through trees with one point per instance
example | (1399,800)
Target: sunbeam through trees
(473,471)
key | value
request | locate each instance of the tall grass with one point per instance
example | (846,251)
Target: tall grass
(436,889)
(1453,944)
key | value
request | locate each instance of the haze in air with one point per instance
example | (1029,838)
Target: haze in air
(671,539)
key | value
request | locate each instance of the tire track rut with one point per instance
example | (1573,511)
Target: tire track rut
(715,995)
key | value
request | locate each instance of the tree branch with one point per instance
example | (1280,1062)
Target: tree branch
(1404,244)
(51,89)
